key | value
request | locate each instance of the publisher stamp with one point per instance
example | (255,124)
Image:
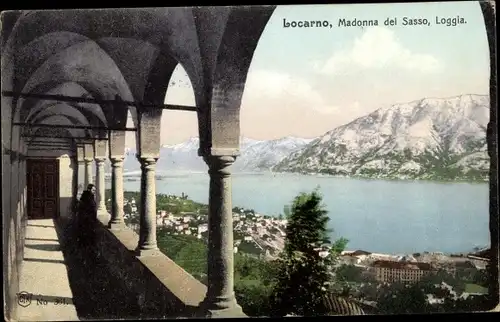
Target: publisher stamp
(25,299)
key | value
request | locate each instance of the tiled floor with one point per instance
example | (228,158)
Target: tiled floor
(44,285)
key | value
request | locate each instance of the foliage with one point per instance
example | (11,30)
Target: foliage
(398,298)
(349,273)
(253,297)
(403,299)
(339,246)
(439,277)
(249,248)
(250,268)
(254,282)
(192,258)
(302,274)
(481,278)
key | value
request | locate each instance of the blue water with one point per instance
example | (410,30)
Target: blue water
(375,215)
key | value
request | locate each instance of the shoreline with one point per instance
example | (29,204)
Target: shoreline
(184,173)
(399,253)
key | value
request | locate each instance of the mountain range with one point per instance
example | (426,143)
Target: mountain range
(431,138)
(255,155)
(438,138)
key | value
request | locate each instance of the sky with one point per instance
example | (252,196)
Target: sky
(304,82)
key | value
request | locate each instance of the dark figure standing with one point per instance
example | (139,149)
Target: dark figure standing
(87,218)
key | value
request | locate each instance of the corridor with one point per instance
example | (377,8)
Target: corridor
(67,283)
(44,275)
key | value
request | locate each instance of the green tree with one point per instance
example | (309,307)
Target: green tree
(254,282)
(339,246)
(303,275)
(349,273)
(403,299)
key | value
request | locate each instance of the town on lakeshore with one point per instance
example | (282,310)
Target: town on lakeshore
(262,237)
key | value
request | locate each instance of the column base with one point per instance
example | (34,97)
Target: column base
(229,309)
(103,213)
(147,252)
(116,225)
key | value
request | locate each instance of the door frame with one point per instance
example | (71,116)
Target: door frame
(55,161)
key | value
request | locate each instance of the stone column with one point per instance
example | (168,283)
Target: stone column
(88,149)
(147,232)
(116,221)
(88,172)
(75,165)
(80,171)
(220,300)
(100,186)
(100,157)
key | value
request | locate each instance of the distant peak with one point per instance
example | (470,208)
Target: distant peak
(448,98)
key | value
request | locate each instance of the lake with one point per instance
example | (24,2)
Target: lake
(375,215)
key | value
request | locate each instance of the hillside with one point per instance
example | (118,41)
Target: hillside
(443,139)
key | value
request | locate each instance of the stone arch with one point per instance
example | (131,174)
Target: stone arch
(155,91)
(170,29)
(34,106)
(93,69)
(63,109)
(189,85)
(244,26)
(9,23)
(36,52)
(64,120)
(134,58)
(159,78)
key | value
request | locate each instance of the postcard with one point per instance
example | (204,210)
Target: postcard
(249,161)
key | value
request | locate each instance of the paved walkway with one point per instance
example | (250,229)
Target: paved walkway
(45,292)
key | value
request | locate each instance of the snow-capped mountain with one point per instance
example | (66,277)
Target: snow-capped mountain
(442,138)
(254,156)
(262,155)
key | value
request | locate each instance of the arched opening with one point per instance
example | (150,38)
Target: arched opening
(363,108)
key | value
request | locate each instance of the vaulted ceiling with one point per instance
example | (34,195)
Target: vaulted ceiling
(125,53)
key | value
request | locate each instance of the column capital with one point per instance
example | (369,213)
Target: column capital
(116,160)
(88,159)
(146,161)
(219,164)
(100,159)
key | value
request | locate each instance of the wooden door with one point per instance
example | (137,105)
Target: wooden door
(43,188)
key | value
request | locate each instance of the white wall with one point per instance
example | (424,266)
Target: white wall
(66,185)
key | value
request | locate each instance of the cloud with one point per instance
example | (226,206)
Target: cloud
(377,48)
(271,88)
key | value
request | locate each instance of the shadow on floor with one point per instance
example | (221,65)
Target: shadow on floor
(96,294)
(44,247)
(42,239)
(44,260)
